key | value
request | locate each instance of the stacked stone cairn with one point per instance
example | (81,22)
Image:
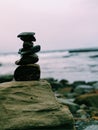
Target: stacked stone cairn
(27,69)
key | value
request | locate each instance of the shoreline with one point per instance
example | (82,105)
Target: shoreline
(70,66)
(9,77)
(73,50)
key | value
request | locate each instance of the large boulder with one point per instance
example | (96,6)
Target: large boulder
(28,105)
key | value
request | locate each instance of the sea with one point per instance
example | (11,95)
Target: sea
(72,65)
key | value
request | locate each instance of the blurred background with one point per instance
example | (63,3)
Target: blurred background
(60,26)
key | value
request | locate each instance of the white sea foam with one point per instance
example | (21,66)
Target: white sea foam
(58,64)
(8,58)
(54,54)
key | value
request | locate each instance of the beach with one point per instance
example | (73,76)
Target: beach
(73,78)
(80,97)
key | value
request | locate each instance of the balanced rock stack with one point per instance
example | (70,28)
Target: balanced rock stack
(27,69)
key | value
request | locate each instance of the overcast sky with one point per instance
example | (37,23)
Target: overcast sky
(58,24)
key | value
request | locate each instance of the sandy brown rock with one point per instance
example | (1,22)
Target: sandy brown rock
(31,105)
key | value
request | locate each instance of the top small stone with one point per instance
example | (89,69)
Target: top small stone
(27,36)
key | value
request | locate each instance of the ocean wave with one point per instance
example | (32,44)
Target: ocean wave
(8,59)
(54,54)
(94,56)
(58,64)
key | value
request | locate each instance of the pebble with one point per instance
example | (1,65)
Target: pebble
(31,59)
(27,36)
(30,51)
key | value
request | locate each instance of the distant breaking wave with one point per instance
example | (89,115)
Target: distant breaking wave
(10,58)
(73,64)
(54,54)
(73,50)
(83,50)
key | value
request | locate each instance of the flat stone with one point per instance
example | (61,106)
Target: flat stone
(27,36)
(31,105)
(31,59)
(30,51)
(27,72)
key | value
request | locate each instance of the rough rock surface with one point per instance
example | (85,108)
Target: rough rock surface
(32,105)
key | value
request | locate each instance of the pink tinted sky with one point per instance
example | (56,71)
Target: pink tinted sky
(58,24)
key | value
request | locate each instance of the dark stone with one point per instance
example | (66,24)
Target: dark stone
(29,51)
(27,36)
(91,83)
(90,99)
(64,82)
(27,45)
(27,73)
(76,83)
(6,78)
(31,59)
(56,85)
(36,48)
